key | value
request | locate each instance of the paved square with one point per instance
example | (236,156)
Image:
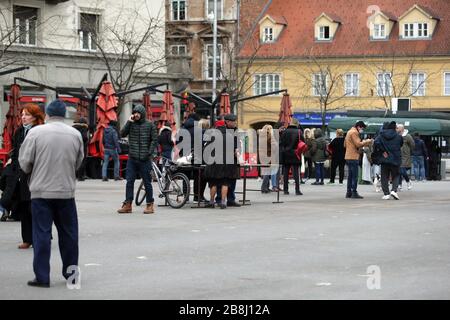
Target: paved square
(315,246)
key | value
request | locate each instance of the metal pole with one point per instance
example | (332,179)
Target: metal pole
(214,84)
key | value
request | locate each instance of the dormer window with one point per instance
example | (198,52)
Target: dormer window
(417,23)
(415,30)
(324,33)
(326,26)
(270,28)
(379,31)
(268,34)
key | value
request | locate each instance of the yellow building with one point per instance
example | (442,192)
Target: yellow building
(339,55)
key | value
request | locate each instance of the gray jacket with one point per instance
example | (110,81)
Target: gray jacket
(52,153)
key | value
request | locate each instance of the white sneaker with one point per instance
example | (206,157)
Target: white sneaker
(386,197)
(395,195)
(409,185)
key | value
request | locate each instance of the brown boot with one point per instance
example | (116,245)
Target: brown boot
(149,208)
(126,208)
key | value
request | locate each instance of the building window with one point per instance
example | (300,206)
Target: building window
(210,60)
(324,33)
(320,84)
(447,83)
(418,84)
(352,84)
(384,82)
(379,31)
(178,49)
(89,26)
(268,34)
(178,10)
(210,9)
(415,30)
(25,21)
(265,83)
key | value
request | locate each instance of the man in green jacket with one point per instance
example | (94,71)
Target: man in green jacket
(142,140)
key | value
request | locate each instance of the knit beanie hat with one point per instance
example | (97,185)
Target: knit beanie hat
(56,108)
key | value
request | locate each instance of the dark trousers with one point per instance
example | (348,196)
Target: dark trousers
(309,170)
(352,179)
(24,209)
(403,174)
(63,213)
(334,165)
(144,168)
(231,195)
(388,170)
(286,168)
(81,172)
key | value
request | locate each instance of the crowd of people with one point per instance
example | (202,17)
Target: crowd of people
(38,181)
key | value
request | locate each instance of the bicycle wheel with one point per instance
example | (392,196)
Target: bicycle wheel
(177,190)
(140,194)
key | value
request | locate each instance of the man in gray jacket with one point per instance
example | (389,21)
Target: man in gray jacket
(52,153)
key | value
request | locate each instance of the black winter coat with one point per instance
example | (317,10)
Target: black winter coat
(224,169)
(338,148)
(288,143)
(20,176)
(165,139)
(391,142)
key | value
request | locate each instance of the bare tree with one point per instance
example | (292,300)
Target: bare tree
(323,84)
(398,76)
(129,45)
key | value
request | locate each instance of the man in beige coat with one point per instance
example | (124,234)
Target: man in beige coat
(353,144)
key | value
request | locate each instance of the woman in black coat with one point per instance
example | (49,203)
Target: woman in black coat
(288,143)
(32,116)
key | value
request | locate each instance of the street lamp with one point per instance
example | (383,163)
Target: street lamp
(213,16)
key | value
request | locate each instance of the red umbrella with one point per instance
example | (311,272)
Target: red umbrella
(146,102)
(285,110)
(167,114)
(13,117)
(106,105)
(225,105)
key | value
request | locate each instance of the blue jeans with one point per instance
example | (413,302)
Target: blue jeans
(320,174)
(63,212)
(352,180)
(419,167)
(115,156)
(144,168)
(403,174)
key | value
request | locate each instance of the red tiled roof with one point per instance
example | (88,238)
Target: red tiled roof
(352,37)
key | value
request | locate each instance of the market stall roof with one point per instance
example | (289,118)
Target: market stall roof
(424,126)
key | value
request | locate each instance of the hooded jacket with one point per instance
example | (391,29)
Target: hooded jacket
(319,145)
(111,139)
(391,142)
(142,136)
(165,139)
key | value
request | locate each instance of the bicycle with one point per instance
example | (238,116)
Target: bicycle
(174,186)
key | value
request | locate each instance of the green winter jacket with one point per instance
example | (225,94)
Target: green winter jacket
(142,136)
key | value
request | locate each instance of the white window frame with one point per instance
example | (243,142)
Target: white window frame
(416,89)
(219,62)
(384,93)
(266,82)
(172,12)
(315,88)
(268,35)
(219,9)
(416,30)
(352,90)
(81,33)
(27,29)
(322,33)
(446,83)
(379,31)
(177,46)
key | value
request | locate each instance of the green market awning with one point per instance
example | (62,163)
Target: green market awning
(424,126)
